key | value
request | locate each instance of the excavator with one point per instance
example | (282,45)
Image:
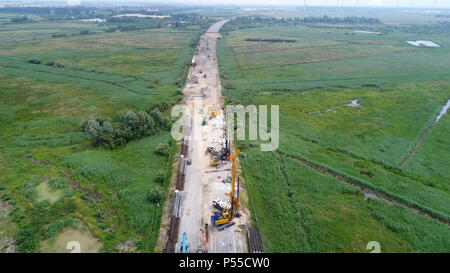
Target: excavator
(217,157)
(232,208)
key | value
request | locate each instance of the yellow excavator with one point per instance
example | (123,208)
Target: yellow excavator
(231,210)
(217,157)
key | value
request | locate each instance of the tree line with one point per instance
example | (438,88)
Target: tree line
(258,21)
(131,126)
(20,19)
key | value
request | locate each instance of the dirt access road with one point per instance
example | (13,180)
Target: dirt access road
(204,183)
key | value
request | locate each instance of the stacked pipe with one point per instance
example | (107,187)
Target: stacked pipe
(174,223)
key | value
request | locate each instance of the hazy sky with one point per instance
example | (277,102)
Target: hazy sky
(379,3)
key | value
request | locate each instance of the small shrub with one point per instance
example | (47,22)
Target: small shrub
(243,145)
(50,63)
(163,149)
(34,61)
(156,194)
(228,85)
(28,189)
(161,176)
(55,227)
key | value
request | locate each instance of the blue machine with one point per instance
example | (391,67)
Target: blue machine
(216,216)
(185,247)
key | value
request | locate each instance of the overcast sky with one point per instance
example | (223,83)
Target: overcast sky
(375,3)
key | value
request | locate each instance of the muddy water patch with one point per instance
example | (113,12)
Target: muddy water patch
(73,239)
(368,195)
(423,43)
(45,192)
(353,103)
(443,111)
(366,32)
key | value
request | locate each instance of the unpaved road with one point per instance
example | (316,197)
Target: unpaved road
(204,183)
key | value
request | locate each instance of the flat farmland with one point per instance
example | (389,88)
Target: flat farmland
(352,107)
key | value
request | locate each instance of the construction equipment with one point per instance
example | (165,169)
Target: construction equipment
(214,162)
(185,247)
(213,111)
(220,205)
(227,226)
(232,208)
(217,157)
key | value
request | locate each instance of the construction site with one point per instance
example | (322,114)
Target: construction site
(206,213)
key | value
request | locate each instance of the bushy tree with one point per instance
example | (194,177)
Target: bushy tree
(130,121)
(107,134)
(146,123)
(159,117)
(92,128)
(131,126)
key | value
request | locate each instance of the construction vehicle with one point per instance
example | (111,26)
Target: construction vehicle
(217,158)
(232,208)
(215,162)
(218,204)
(185,247)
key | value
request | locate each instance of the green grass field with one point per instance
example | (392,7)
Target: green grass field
(42,108)
(401,89)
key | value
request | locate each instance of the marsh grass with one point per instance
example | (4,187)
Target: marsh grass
(297,208)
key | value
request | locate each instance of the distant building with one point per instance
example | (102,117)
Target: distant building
(73,2)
